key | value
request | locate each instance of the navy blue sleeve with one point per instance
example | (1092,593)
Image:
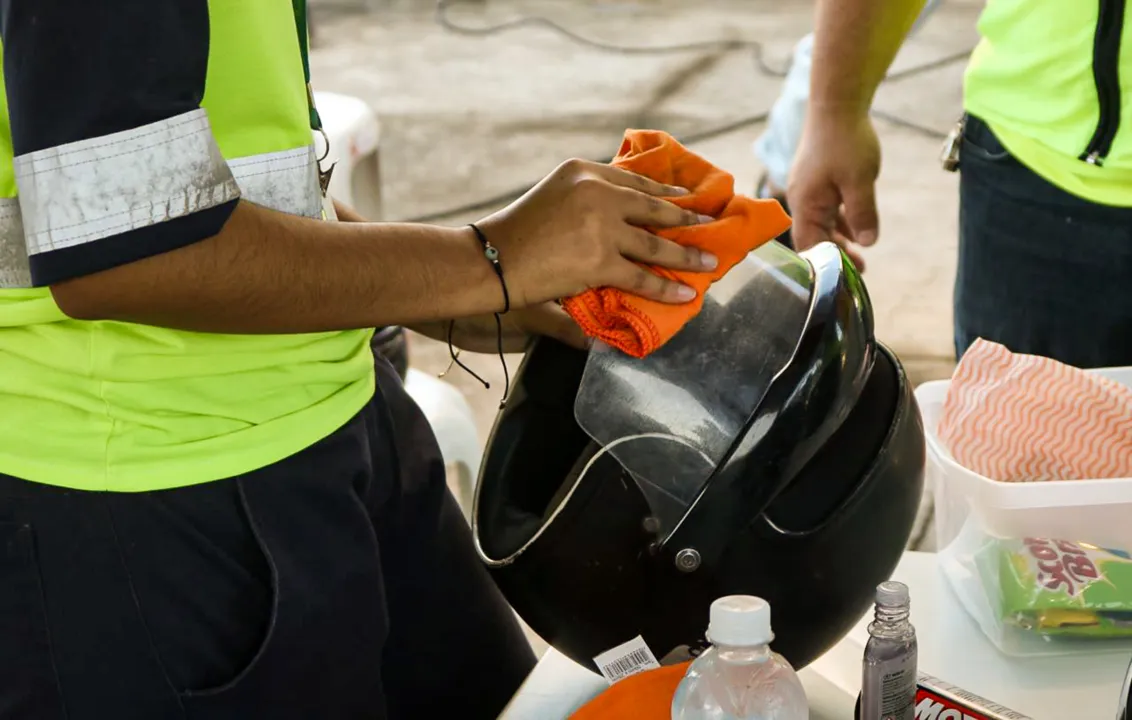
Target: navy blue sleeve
(114,157)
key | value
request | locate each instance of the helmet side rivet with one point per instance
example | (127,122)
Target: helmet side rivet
(687,560)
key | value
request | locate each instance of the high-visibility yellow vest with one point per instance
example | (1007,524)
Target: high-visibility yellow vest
(123,407)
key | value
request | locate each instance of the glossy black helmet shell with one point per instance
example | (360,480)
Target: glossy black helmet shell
(813,532)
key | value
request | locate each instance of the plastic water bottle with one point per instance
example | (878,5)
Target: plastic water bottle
(739,677)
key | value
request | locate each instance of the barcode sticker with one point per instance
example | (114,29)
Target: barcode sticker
(626,659)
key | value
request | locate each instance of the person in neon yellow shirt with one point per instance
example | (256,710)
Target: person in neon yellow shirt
(212,503)
(1045,156)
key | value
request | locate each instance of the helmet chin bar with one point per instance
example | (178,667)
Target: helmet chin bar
(805,403)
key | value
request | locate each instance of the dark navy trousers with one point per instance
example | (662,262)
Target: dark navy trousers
(340,583)
(1040,271)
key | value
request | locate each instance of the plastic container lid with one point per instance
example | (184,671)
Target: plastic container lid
(740,621)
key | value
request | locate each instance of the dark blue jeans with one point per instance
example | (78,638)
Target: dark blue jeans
(340,583)
(1040,271)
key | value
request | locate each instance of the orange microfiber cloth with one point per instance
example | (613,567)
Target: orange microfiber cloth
(644,696)
(638,326)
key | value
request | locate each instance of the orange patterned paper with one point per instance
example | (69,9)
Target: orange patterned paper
(1022,418)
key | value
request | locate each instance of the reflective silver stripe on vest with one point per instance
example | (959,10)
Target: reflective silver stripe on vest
(85,191)
(286,181)
(14,272)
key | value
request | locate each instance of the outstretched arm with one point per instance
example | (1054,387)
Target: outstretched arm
(131,212)
(855,42)
(832,183)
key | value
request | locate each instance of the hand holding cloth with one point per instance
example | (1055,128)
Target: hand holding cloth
(638,326)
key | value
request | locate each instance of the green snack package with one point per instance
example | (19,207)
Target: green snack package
(1056,587)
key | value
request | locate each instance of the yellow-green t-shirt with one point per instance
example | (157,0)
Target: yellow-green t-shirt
(1053,80)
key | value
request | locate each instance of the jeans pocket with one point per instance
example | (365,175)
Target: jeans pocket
(30,690)
(981,144)
(266,637)
(320,652)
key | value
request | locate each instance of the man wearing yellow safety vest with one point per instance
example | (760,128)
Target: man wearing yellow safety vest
(210,507)
(1045,155)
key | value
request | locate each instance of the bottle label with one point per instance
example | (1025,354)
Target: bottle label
(898,688)
(626,659)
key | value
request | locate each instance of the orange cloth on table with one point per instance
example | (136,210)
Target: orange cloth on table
(638,326)
(644,696)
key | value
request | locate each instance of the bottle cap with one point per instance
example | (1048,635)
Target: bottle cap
(892,594)
(740,621)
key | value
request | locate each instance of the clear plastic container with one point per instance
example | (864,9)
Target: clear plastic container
(739,677)
(985,527)
(1093,511)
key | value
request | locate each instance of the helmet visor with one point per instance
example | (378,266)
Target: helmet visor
(670,418)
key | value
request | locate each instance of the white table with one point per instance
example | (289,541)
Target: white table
(1082,687)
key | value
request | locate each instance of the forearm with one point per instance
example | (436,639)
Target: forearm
(480,333)
(855,41)
(268,272)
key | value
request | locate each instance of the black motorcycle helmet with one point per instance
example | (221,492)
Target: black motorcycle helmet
(772,448)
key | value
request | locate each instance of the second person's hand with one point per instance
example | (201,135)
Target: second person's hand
(584,226)
(831,189)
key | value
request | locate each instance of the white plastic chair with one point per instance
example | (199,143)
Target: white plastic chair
(452,420)
(355,147)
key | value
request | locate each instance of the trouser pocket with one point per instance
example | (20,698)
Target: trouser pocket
(979,143)
(30,687)
(323,633)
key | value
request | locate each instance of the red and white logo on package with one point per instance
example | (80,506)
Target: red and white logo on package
(938,700)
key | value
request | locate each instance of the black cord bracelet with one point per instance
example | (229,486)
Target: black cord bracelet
(491,254)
